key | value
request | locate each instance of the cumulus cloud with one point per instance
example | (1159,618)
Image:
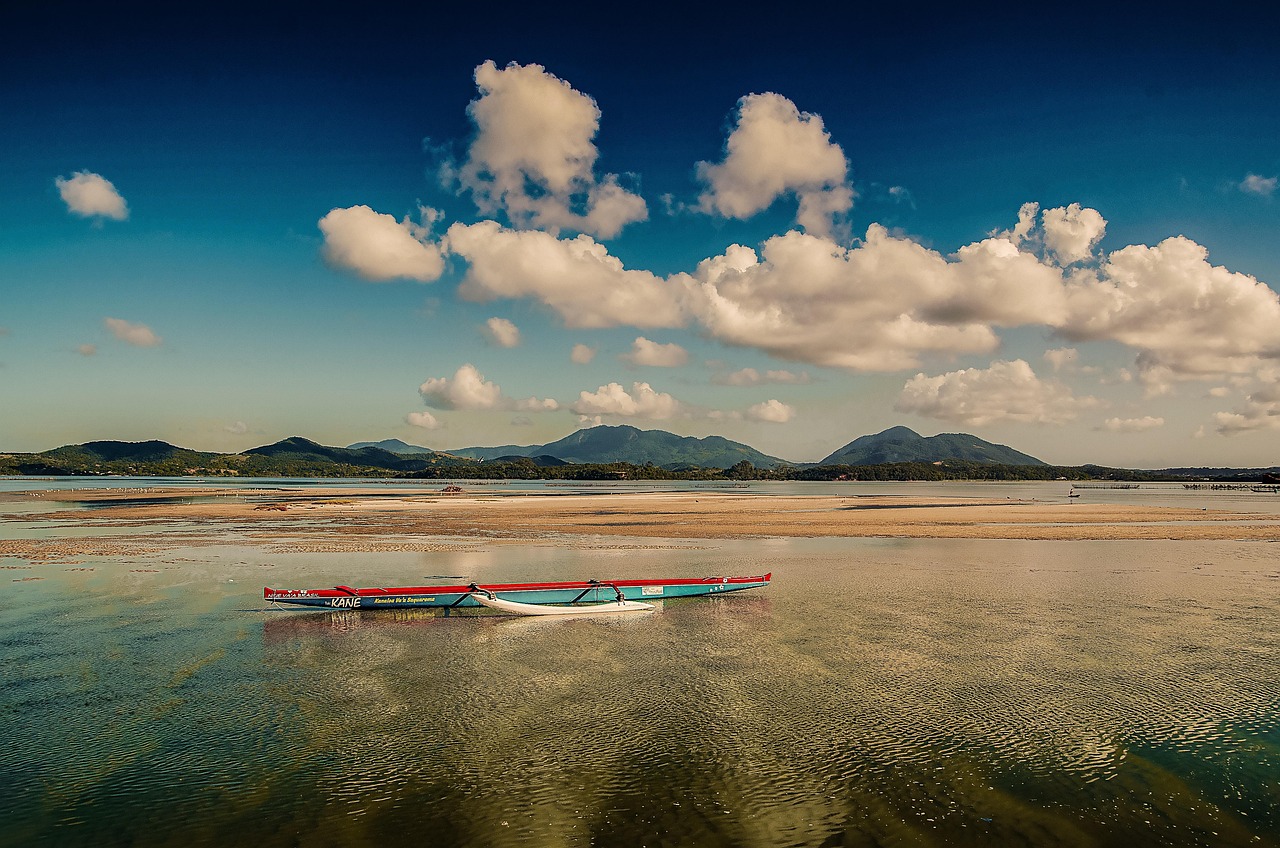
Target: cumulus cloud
(378,248)
(773,150)
(138,335)
(423,419)
(502,332)
(1186,318)
(642,401)
(91,195)
(87,349)
(582,354)
(1132,425)
(1006,391)
(469,390)
(236,428)
(752,377)
(575,277)
(875,307)
(888,302)
(771,411)
(533,156)
(646,352)
(1070,233)
(1259,185)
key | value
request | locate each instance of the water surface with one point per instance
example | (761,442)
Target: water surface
(880,692)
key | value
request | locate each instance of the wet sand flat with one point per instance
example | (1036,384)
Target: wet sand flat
(359,520)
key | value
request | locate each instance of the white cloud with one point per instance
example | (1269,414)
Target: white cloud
(646,352)
(138,335)
(775,149)
(889,302)
(1071,233)
(613,400)
(533,404)
(875,307)
(469,390)
(236,428)
(582,354)
(502,332)
(576,277)
(1006,391)
(91,195)
(1259,185)
(1132,425)
(1062,357)
(771,411)
(87,349)
(1186,318)
(533,156)
(423,419)
(377,247)
(752,377)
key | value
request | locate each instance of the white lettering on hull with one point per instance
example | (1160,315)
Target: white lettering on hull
(351,602)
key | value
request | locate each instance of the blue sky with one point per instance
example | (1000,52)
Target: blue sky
(1054,232)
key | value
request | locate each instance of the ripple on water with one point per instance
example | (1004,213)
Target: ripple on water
(894,693)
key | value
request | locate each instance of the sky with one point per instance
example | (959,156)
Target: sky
(1053,229)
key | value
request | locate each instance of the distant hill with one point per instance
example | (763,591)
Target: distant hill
(298,449)
(115,453)
(490,454)
(391,445)
(607,443)
(902,444)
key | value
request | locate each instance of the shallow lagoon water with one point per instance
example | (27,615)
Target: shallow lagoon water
(880,692)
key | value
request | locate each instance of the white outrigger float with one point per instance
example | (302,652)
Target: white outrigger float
(517,608)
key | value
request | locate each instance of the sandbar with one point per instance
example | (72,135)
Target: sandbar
(317,519)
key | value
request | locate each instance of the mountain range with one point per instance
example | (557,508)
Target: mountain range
(628,444)
(896,453)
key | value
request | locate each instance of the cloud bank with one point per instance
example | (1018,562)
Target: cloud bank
(1007,391)
(883,302)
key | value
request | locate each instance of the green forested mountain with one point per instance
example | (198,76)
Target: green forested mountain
(902,444)
(296,449)
(604,444)
(292,457)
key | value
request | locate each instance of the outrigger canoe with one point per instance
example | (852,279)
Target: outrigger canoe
(569,592)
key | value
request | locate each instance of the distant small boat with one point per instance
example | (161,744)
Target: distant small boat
(582,593)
